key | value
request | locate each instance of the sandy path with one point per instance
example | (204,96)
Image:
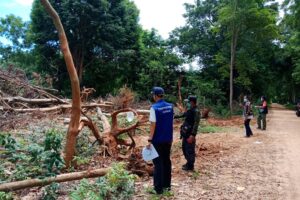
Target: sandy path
(265,166)
(285,129)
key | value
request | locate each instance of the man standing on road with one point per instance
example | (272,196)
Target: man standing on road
(263,111)
(161,136)
(188,131)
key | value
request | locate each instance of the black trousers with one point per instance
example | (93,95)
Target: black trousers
(162,167)
(189,152)
(247,127)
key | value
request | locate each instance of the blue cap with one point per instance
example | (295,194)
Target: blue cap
(157,91)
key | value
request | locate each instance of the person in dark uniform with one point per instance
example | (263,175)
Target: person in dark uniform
(188,131)
(161,136)
(263,111)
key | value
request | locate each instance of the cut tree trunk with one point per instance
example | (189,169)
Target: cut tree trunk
(57,179)
(33,101)
(76,107)
(54,108)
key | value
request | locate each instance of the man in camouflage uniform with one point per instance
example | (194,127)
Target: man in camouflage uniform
(188,131)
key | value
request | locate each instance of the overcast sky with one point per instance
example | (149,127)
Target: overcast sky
(163,15)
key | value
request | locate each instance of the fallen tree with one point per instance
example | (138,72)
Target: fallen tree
(33,101)
(53,108)
(17,185)
(112,132)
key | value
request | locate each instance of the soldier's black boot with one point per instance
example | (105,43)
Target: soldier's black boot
(187,168)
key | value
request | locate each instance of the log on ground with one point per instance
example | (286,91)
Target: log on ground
(12,186)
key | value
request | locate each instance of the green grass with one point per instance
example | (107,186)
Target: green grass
(154,196)
(211,129)
(195,175)
(290,106)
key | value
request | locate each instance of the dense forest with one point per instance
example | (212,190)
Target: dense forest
(236,47)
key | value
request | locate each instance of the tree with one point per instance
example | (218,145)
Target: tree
(230,39)
(242,18)
(73,129)
(158,67)
(287,61)
(103,37)
(13,29)
(198,39)
(291,25)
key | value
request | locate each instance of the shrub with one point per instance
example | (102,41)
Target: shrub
(117,184)
(33,160)
(51,192)
(6,196)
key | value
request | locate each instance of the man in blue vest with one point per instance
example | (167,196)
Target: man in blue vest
(161,136)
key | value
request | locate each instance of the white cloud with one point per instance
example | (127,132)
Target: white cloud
(163,15)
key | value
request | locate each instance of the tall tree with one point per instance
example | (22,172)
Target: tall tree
(102,34)
(231,14)
(230,39)
(242,18)
(287,61)
(291,27)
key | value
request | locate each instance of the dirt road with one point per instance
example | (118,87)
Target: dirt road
(230,166)
(285,129)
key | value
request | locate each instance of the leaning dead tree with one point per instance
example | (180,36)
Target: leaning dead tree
(73,129)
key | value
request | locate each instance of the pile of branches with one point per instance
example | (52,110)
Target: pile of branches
(18,95)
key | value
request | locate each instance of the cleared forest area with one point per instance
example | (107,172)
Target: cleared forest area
(75,98)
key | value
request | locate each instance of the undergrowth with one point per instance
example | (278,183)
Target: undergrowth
(6,196)
(84,149)
(211,129)
(51,192)
(21,160)
(117,184)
